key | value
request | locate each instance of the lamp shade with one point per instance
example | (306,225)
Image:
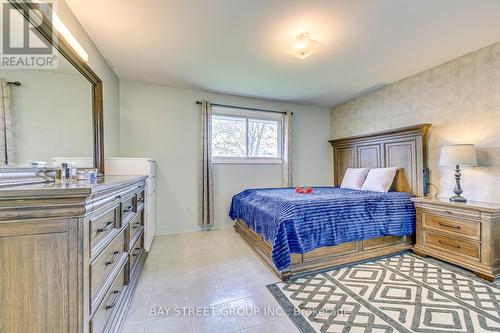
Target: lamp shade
(464,155)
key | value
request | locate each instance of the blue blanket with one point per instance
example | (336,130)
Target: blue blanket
(298,223)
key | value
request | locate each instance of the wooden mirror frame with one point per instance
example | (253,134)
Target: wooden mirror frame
(57,40)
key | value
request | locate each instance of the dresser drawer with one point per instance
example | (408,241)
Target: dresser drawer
(469,229)
(457,247)
(109,304)
(136,251)
(102,226)
(105,263)
(452,212)
(136,226)
(139,200)
(127,208)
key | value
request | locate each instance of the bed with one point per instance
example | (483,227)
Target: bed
(298,234)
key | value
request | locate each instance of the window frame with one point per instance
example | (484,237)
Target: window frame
(247,115)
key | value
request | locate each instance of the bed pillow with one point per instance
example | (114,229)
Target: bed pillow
(354,178)
(379,179)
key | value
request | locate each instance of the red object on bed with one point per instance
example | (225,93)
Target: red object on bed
(304,190)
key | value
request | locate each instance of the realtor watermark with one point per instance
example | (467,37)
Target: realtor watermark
(22,44)
(266,311)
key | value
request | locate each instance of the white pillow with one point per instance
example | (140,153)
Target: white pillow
(354,178)
(379,179)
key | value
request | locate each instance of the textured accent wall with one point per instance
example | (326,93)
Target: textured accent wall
(460,98)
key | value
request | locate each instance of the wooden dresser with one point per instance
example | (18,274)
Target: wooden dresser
(70,254)
(465,234)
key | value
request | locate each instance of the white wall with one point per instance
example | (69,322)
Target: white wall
(163,123)
(461,99)
(99,65)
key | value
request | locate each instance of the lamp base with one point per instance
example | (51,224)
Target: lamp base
(458,198)
(458,189)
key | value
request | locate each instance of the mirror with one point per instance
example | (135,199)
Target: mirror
(48,114)
(53,110)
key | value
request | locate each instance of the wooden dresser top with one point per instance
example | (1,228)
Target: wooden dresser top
(69,188)
(473,205)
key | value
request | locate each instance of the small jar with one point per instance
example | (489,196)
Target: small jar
(92,174)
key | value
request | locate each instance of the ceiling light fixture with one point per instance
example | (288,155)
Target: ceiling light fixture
(304,46)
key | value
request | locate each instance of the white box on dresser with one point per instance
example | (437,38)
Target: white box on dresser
(130,166)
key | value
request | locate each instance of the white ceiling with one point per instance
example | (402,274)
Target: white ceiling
(237,46)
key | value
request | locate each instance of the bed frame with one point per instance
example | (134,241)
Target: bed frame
(404,148)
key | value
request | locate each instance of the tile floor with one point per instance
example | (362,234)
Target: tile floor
(212,271)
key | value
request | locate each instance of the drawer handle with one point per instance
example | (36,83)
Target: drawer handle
(136,254)
(113,260)
(140,200)
(136,225)
(451,245)
(108,226)
(449,225)
(448,212)
(115,298)
(128,209)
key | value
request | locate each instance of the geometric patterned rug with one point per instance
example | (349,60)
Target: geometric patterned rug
(401,293)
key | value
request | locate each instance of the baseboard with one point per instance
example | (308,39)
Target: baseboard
(195,230)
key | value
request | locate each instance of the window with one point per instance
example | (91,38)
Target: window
(242,136)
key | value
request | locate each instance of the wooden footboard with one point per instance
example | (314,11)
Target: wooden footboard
(325,257)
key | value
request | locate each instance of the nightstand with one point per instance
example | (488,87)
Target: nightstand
(464,234)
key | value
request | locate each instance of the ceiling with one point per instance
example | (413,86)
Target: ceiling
(238,46)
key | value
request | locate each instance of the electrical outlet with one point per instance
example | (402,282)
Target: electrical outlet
(189,210)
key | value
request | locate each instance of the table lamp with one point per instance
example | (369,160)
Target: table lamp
(458,155)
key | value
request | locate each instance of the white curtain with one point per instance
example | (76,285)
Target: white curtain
(206,182)
(6,138)
(286,167)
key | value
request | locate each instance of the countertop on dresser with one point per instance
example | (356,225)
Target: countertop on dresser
(84,188)
(476,205)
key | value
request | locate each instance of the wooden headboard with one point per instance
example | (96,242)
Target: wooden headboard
(405,148)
